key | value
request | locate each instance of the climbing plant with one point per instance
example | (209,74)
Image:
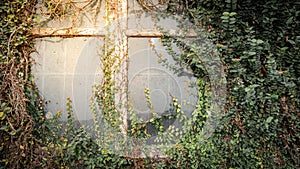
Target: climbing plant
(20,105)
(259,46)
(258,43)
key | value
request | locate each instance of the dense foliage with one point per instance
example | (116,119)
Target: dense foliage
(258,42)
(19,103)
(259,45)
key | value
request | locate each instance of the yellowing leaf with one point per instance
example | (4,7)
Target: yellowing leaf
(220,45)
(2,115)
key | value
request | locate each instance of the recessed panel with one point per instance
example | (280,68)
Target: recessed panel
(164,83)
(67,68)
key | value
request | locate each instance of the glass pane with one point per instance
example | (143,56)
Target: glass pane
(146,71)
(67,68)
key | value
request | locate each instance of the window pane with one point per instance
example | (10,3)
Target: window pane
(145,71)
(67,67)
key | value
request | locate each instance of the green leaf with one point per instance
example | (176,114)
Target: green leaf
(269,119)
(224,17)
(254,85)
(274,96)
(259,41)
(3,127)
(290,20)
(252,53)
(232,13)
(291,42)
(225,13)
